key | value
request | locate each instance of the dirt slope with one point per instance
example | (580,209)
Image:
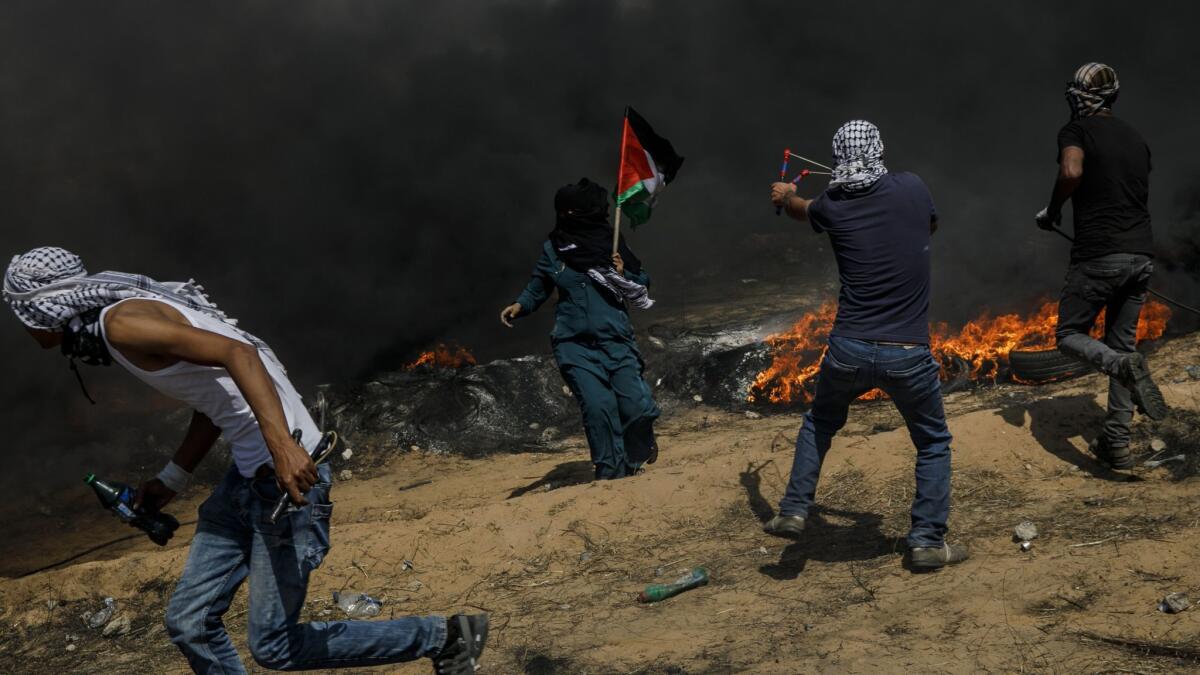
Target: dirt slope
(558,560)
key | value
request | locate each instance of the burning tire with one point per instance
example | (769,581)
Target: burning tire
(1044,366)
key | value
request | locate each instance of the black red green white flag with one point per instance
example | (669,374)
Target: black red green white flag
(648,164)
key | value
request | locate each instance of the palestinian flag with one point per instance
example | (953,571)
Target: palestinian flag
(648,163)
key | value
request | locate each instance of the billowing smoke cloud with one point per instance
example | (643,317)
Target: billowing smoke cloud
(357,180)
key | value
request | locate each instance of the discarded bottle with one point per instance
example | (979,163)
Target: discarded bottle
(118,498)
(654,592)
(357,605)
(101,616)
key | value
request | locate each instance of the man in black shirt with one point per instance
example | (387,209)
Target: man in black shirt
(1104,169)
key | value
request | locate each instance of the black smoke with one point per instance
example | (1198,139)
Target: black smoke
(358,180)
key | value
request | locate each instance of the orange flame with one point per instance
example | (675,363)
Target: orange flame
(443,356)
(982,346)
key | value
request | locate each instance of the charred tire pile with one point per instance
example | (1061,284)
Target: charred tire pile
(1036,367)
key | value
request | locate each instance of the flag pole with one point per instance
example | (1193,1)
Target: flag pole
(617,191)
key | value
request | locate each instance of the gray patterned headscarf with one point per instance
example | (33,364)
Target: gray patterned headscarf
(1094,88)
(857,156)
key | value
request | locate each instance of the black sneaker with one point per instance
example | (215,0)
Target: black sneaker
(930,558)
(1135,375)
(1117,457)
(788,527)
(465,637)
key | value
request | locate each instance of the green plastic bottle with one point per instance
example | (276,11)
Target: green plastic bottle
(654,592)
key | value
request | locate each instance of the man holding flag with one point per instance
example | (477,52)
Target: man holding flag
(597,277)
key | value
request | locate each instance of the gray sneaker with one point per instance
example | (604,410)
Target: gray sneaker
(1135,375)
(788,527)
(930,558)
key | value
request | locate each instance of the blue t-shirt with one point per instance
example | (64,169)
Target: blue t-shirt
(880,237)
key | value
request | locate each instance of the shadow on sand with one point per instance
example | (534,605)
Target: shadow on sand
(568,473)
(823,541)
(1053,422)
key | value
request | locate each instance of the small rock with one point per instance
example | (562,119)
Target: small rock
(751,415)
(763,550)
(585,556)
(657,342)
(346,474)
(414,586)
(658,382)
(101,616)
(564,607)
(325,612)
(808,627)
(414,448)
(566,390)
(1174,603)
(347,453)
(1158,445)
(698,398)
(51,604)
(658,571)
(535,426)
(71,647)
(117,627)
(1026,531)
(1026,546)
(406,565)
(1192,372)
(548,433)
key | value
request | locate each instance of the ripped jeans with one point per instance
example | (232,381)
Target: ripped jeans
(236,541)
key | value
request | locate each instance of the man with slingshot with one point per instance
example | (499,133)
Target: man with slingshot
(879,224)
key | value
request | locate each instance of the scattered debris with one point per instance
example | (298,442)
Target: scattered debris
(117,627)
(346,474)
(414,448)
(534,426)
(751,415)
(1026,546)
(51,604)
(1158,445)
(406,565)
(101,616)
(347,453)
(549,433)
(698,398)
(585,556)
(655,592)
(1174,603)
(657,342)
(1026,531)
(1192,372)
(567,390)
(71,647)
(1153,463)
(357,605)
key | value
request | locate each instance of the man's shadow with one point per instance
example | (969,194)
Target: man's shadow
(822,540)
(1054,422)
(568,473)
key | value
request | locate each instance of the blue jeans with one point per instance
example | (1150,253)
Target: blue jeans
(909,375)
(235,541)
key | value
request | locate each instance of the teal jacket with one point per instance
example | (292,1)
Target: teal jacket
(583,310)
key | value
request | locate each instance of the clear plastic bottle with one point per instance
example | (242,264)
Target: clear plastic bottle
(357,605)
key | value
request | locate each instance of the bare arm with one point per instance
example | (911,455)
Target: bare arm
(784,194)
(200,437)
(1070,174)
(145,328)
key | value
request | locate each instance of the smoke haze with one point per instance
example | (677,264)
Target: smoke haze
(355,181)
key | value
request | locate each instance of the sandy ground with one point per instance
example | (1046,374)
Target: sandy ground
(557,560)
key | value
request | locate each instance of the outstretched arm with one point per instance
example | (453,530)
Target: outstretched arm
(541,284)
(147,329)
(784,194)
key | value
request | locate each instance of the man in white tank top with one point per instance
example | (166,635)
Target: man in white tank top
(172,337)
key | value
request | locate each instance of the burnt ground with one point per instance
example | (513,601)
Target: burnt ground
(558,560)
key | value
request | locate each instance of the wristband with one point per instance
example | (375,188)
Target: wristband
(174,477)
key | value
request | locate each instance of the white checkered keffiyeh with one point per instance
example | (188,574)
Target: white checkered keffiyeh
(1093,89)
(857,156)
(48,287)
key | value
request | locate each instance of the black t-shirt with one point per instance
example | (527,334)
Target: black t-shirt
(880,237)
(1110,204)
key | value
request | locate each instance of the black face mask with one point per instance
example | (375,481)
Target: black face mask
(82,340)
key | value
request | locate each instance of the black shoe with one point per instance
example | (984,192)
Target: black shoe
(1133,372)
(465,637)
(788,527)
(930,558)
(1117,457)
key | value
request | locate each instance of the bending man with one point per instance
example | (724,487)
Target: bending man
(1104,169)
(593,339)
(879,224)
(170,336)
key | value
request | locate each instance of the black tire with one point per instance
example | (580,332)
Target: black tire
(1044,366)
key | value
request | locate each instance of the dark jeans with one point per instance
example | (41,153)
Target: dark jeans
(909,375)
(236,541)
(1115,284)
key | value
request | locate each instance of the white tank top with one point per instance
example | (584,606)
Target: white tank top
(212,391)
